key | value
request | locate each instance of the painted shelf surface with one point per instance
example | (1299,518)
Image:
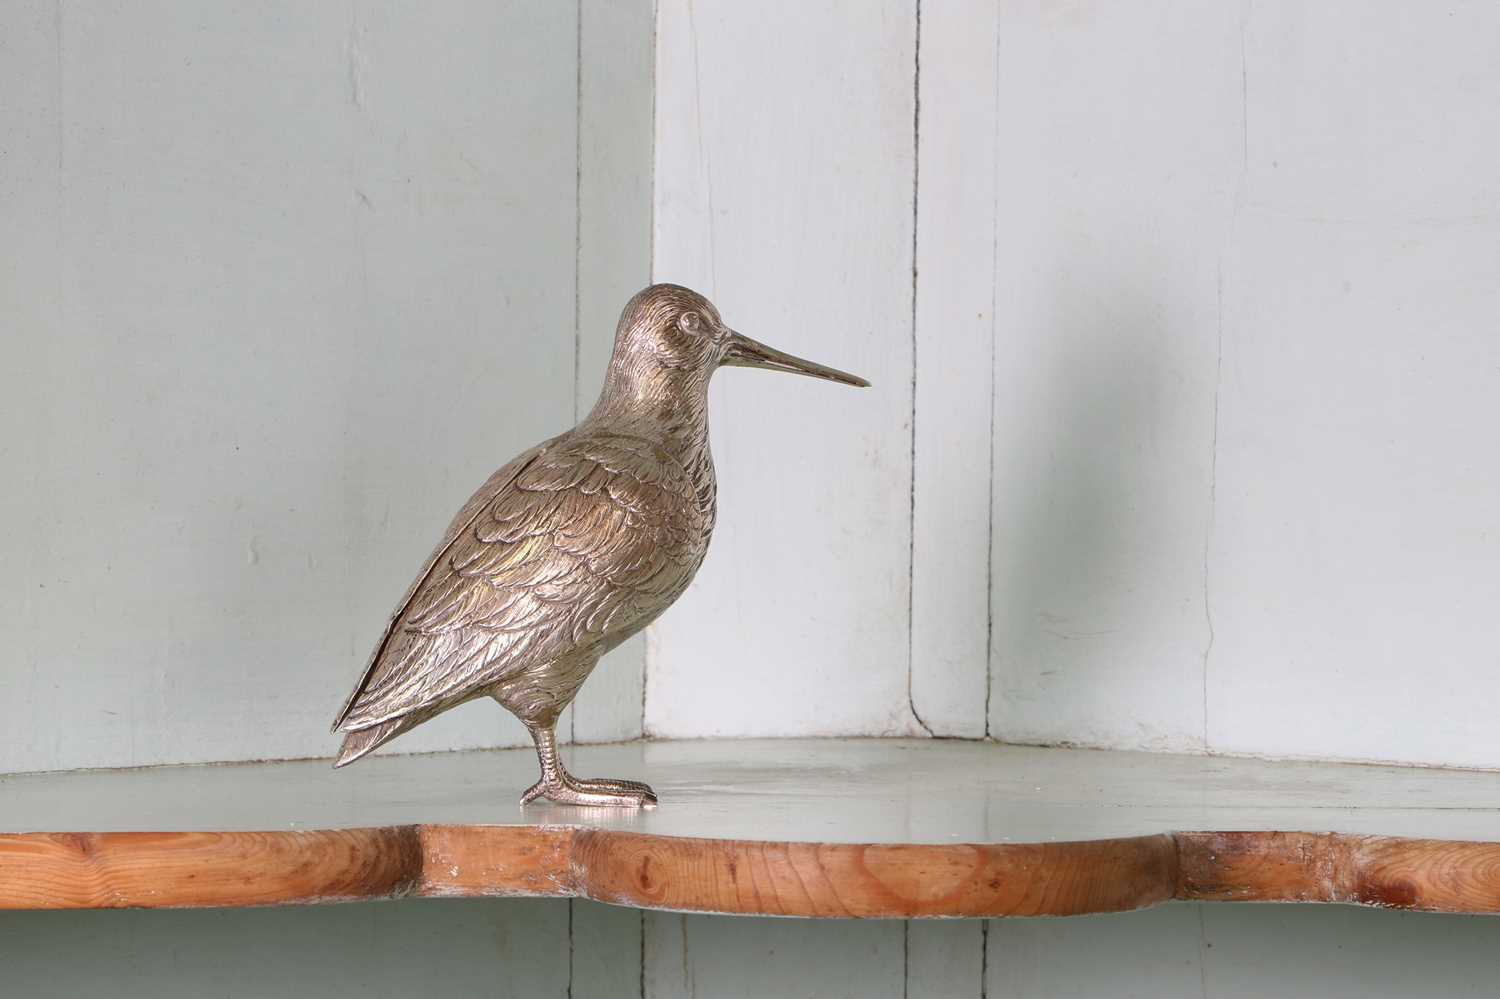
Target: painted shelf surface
(782,827)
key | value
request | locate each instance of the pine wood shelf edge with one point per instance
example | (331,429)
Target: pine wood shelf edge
(744,877)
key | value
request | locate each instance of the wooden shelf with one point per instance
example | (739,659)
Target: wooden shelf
(799,828)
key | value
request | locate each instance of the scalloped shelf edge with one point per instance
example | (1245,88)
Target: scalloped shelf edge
(743,877)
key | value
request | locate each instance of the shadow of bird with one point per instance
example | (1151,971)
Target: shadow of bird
(569,549)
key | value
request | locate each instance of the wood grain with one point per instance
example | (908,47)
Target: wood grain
(198,869)
(864,880)
(475,861)
(1388,872)
(748,877)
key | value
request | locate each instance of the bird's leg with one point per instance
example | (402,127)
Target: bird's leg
(560,786)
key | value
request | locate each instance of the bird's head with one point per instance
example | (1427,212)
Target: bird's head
(668,330)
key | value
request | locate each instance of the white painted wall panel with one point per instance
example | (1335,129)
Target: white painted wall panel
(784,155)
(1247,393)
(1121,150)
(1233,264)
(1357,530)
(284,284)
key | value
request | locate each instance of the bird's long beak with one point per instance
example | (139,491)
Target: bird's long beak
(747,353)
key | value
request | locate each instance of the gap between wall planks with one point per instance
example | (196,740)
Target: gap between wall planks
(953,332)
(616,53)
(744,877)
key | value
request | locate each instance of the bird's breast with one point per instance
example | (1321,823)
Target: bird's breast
(706,491)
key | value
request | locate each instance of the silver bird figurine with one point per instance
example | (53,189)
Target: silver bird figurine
(568,550)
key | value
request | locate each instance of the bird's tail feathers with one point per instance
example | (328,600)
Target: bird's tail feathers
(367,740)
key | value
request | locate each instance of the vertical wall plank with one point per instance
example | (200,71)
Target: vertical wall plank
(709,957)
(945,958)
(1120,132)
(955,343)
(616,66)
(783,190)
(606,949)
(318,266)
(34,310)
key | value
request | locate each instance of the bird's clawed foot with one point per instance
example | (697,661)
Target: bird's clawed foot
(566,789)
(562,787)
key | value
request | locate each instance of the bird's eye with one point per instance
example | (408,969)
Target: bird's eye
(690,322)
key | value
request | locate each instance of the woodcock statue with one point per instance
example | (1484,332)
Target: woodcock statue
(573,547)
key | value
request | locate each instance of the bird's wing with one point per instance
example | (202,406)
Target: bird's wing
(461,522)
(587,538)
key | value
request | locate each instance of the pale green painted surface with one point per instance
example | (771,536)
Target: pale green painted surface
(437,949)
(280,285)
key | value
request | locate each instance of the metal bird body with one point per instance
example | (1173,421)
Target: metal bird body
(569,549)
